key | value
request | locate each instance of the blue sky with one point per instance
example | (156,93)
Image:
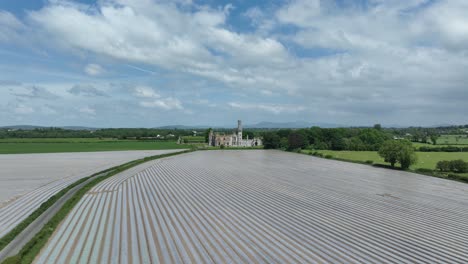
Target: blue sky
(146,63)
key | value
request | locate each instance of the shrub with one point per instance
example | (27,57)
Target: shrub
(424,170)
(369,162)
(443,165)
(319,154)
(458,166)
(221,147)
(328,156)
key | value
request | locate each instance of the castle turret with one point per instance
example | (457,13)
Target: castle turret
(239,132)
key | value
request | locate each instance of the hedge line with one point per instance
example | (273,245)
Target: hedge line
(443,149)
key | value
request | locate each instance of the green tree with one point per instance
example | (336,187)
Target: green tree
(207,134)
(250,134)
(407,156)
(378,126)
(271,140)
(284,143)
(458,166)
(443,165)
(297,140)
(401,151)
(434,138)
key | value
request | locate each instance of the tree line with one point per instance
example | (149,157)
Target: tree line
(119,133)
(353,139)
(356,139)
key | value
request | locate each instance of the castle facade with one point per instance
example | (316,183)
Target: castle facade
(233,140)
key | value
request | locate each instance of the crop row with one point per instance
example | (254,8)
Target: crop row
(16,211)
(263,207)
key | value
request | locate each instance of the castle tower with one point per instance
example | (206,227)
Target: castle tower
(239,132)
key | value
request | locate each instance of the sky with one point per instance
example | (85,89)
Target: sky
(148,63)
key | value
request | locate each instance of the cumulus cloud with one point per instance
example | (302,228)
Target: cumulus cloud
(36,92)
(10,27)
(164,104)
(9,83)
(145,92)
(272,108)
(23,109)
(93,69)
(86,90)
(87,110)
(159,33)
(342,59)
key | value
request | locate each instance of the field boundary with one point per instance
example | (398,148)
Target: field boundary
(33,247)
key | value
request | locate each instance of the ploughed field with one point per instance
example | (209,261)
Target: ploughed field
(28,180)
(262,206)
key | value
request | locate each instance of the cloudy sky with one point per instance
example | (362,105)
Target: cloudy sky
(146,63)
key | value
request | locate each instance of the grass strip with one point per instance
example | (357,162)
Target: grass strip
(33,247)
(5,240)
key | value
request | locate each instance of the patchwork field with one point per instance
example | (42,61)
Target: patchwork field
(453,140)
(28,180)
(17,146)
(262,206)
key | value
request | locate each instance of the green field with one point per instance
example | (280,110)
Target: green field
(426,160)
(194,139)
(86,146)
(453,140)
(59,140)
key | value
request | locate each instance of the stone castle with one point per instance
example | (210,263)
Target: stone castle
(233,140)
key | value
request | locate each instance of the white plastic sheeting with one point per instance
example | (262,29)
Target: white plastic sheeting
(264,207)
(28,180)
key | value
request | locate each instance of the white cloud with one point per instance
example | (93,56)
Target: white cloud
(10,27)
(23,109)
(36,92)
(164,104)
(86,90)
(272,108)
(94,69)
(338,59)
(145,92)
(87,110)
(158,33)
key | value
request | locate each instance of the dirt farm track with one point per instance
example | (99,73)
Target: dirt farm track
(262,206)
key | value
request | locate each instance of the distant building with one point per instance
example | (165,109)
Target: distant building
(234,139)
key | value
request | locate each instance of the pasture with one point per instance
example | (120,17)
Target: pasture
(453,140)
(15,146)
(426,160)
(263,207)
(28,180)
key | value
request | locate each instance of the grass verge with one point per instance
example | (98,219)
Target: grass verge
(5,240)
(33,247)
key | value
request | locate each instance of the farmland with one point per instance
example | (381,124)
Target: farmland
(16,146)
(276,207)
(427,160)
(28,180)
(453,140)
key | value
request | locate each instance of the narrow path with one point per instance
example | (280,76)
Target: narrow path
(29,232)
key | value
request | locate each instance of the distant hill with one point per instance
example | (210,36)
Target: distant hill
(22,127)
(29,127)
(181,127)
(296,124)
